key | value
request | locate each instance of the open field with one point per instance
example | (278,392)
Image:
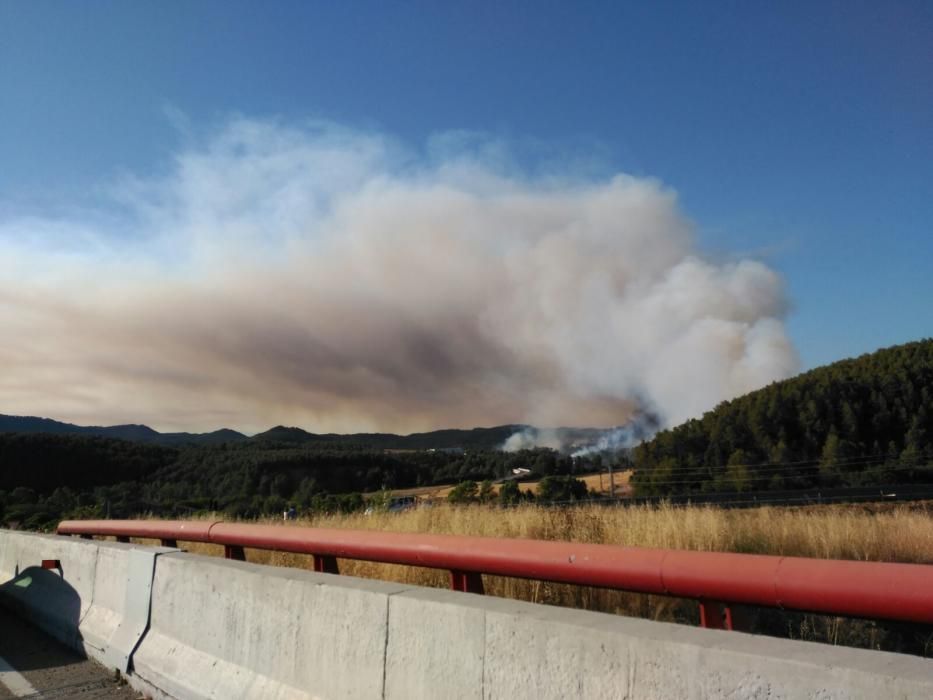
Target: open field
(598,482)
(902,533)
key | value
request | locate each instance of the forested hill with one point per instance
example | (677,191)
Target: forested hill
(861,421)
(447,439)
(474,438)
(45,478)
(51,470)
(132,432)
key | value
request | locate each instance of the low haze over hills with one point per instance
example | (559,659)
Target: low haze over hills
(475,438)
(860,422)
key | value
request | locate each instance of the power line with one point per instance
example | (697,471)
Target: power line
(751,498)
(704,477)
(870,460)
(803,462)
(808,499)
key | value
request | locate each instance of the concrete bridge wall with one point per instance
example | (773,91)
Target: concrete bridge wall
(215,628)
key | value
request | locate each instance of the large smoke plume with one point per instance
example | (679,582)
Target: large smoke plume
(331,279)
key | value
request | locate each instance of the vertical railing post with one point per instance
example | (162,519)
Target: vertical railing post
(729,618)
(715,615)
(325,564)
(234,552)
(466,581)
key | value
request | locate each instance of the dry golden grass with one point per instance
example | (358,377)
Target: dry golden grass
(899,533)
(598,482)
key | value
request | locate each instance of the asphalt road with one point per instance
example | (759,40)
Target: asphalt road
(33,665)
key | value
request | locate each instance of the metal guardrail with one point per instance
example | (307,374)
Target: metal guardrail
(716,580)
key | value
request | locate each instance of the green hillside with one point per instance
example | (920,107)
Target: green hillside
(45,477)
(862,421)
(474,438)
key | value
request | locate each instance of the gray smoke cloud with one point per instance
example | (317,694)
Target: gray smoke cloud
(328,278)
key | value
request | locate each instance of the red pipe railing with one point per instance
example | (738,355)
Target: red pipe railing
(715,579)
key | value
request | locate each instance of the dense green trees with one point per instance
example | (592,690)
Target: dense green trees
(561,489)
(863,421)
(464,492)
(45,477)
(551,489)
(509,493)
(45,462)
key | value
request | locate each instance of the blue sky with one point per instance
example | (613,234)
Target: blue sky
(797,133)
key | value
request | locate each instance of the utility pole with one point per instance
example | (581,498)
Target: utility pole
(612,483)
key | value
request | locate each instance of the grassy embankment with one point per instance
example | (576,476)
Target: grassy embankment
(898,533)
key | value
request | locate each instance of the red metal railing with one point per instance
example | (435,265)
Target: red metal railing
(715,579)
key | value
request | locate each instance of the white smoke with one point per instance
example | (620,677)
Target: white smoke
(528,438)
(331,279)
(641,427)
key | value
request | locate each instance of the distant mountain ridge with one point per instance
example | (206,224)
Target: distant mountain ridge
(475,438)
(472,438)
(130,432)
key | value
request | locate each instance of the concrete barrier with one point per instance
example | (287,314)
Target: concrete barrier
(97,602)
(279,633)
(445,644)
(226,629)
(119,612)
(56,601)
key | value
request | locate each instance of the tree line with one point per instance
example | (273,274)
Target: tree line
(45,477)
(857,422)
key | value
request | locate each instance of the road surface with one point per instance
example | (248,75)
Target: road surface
(33,665)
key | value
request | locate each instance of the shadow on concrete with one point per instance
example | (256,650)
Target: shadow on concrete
(42,630)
